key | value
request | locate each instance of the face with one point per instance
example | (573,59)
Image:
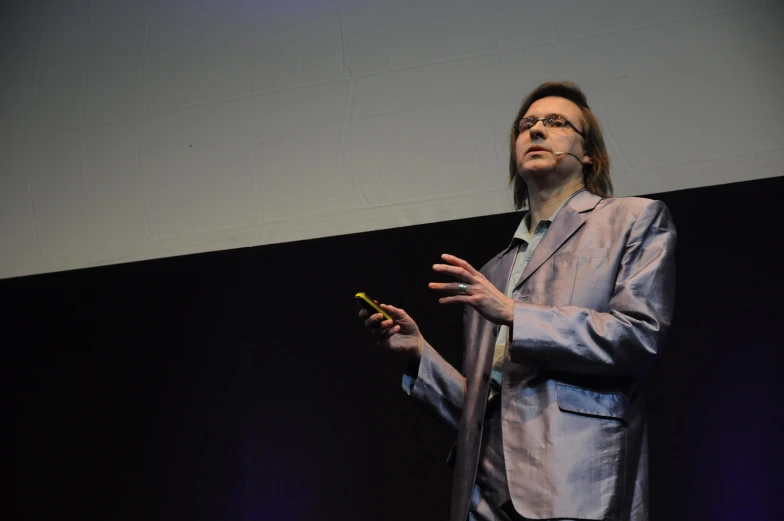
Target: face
(535,148)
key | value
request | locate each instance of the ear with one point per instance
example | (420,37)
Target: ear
(587,160)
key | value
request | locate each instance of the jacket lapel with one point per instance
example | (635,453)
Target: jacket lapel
(480,337)
(499,273)
(567,222)
(479,333)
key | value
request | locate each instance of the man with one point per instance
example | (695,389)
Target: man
(560,327)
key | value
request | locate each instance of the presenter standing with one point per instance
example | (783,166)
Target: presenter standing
(560,328)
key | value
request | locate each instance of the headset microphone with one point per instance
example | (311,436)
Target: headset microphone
(559,154)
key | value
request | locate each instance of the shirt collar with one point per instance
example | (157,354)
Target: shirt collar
(522,233)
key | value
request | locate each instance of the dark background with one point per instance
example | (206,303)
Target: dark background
(238,385)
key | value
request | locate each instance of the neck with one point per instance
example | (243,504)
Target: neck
(544,201)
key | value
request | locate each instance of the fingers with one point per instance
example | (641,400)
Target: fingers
(456,299)
(458,268)
(383,331)
(455,271)
(395,313)
(382,335)
(381,328)
(378,321)
(457,261)
(449,287)
(372,321)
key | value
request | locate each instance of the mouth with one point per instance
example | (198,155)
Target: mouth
(536,149)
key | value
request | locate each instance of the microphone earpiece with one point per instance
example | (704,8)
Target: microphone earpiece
(559,154)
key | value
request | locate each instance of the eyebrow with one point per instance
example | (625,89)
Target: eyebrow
(552,114)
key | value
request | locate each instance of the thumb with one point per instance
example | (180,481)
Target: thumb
(396,313)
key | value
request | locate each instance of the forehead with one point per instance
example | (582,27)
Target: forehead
(554,105)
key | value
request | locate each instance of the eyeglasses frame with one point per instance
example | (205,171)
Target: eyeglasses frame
(551,117)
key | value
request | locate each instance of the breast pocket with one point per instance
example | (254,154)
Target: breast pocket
(585,253)
(561,273)
(583,263)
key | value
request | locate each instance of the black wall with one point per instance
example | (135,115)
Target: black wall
(238,385)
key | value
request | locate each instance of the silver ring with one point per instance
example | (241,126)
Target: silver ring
(462,288)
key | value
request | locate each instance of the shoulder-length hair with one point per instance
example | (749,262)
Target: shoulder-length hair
(596,175)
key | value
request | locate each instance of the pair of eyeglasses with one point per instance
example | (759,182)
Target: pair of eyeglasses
(558,123)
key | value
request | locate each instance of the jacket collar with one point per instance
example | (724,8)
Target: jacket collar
(581,202)
(570,219)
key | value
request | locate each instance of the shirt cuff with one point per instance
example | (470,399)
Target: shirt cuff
(408,383)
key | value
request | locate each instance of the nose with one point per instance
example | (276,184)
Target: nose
(537,131)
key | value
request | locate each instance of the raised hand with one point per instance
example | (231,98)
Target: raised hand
(473,289)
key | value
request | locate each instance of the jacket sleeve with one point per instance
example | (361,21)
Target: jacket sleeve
(624,340)
(438,387)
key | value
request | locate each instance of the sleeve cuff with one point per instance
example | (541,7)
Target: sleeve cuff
(408,383)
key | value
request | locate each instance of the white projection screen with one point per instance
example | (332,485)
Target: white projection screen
(142,129)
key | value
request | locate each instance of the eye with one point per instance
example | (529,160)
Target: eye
(556,122)
(525,124)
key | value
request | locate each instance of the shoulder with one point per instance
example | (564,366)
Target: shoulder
(640,215)
(633,209)
(631,204)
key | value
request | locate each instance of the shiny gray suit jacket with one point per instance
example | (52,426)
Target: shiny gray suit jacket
(592,310)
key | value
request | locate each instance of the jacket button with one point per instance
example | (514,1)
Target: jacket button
(486,377)
(478,424)
(495,330)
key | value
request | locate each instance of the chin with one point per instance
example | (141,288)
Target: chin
(535,166)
